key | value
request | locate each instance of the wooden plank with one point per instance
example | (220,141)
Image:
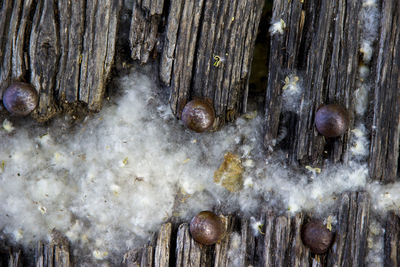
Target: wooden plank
(71,19)
(350,245)
(392,240)
(64,48)
(144,31)
(14,258)
(228,252)
(311,47)
(55,253)
(298,254)
(384,155)
(98,50)
(190,253)
(226,29)
(44,53)
(143,257)
(15,16)
(162,251)
(282,241)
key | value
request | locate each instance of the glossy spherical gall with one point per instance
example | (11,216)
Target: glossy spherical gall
(331,120)
(207,228)
(20,98)
(316,236)
(198,115)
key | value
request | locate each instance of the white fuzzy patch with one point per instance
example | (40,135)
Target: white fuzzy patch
(291,93)
(8,126)
(360,142)
(277,26)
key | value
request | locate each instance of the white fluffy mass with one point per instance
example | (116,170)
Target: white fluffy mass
(277,26)
(111,181)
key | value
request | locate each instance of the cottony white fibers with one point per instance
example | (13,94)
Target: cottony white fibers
(291,93)
(7,126)
(369,19)
(108,183)
(375,243)
(360,142)
(277,26)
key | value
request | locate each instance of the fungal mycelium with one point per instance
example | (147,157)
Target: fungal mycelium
(20,98)
(198,115)
(207,228)
(332,120)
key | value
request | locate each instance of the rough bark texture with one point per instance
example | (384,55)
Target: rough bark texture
(199,32)
(385,130)
(319,44)
(64,48)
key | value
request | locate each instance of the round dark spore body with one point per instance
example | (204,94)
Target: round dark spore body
(331,120)
(20,98)
(207,228)
(198,115)
(316,236)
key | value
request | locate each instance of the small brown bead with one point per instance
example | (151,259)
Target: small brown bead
(332,120)
(316,236)
(207,228)
(20,98)
(198,115)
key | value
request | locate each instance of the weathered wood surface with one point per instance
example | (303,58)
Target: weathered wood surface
(277,242)
(64,48)
(226,29)
(143,257)
(386,121)
(144,30)
(55,253)
(321,45)
(392,241)
(350,246)
(11,258)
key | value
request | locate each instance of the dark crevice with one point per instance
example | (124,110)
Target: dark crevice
(259,67)
(27,39)
(57,23)
(197,40)
(81,48)
(6,26)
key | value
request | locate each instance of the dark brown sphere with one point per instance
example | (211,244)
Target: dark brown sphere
(198,115)
(316,236)
(20,98)
(207,228)
(331,120)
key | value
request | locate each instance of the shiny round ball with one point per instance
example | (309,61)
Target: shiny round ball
(207,228)
(198,115)
(20,98)
(331,120)
(316,236)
